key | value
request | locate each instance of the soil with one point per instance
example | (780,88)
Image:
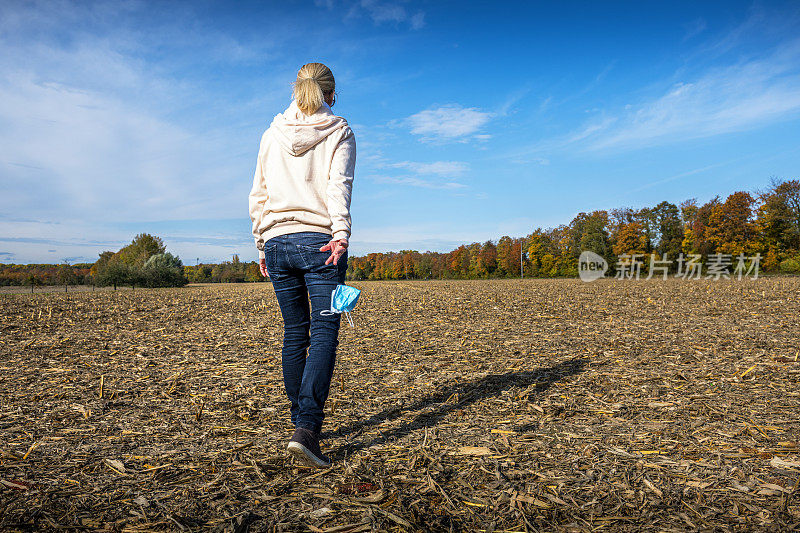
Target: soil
(499,405)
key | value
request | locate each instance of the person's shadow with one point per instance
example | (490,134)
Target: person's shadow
(452,398)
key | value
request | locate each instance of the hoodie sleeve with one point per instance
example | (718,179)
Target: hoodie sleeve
(258,197)
(340,185)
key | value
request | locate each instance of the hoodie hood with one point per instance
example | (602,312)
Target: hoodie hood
(297,132)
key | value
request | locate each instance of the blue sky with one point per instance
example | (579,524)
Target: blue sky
(473,120)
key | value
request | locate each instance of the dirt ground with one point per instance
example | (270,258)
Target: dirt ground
(535,405)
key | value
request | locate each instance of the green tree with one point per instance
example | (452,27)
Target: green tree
(589,232)
(669,235)
(116,273)
(141,248)
(67,276)
(163,270)
(778,217)
(32,280)
(199,273)
(101,262)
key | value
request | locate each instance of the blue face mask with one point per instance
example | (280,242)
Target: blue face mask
(343,300)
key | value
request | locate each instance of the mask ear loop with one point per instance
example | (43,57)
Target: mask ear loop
(331,311)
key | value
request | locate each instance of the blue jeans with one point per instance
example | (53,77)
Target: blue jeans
(298,272)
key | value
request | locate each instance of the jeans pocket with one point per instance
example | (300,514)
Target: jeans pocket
(315,259)
(270,254)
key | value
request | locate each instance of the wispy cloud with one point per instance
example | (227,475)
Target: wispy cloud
(680,175)
(512,100)
(437,168)
(445,123)
(694,28)
(82,240)
(416,181)
(382,12)
(737,97)
(442,175)
(97,129)
(86,150)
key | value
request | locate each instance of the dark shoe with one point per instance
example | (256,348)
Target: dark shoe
(304,445)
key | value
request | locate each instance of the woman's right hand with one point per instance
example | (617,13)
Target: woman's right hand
(336,248)
(262,266)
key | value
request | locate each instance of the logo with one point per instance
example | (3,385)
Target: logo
(591,266)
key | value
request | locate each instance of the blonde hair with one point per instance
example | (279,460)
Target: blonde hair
(314,81)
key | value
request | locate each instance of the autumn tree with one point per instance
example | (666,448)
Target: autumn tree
(506,262)
(730,226)
(696,227)
(631,239)
(489,257)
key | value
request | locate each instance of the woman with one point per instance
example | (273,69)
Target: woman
(300,208)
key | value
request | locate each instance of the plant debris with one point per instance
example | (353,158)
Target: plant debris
(499,405)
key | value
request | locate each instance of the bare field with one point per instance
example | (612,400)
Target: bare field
(46,289)
(456,406)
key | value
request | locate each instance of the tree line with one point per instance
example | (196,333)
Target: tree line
(234,271)
(45,274)
(765,222)
(145,262)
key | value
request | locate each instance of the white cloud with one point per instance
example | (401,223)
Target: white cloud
(737,97)
(93,134)
(417,20)
(512,100)
(694,28)
(450,122)
(438,168)
(67,150)
(385,12)
(415,181)
(38,241)
(441,175)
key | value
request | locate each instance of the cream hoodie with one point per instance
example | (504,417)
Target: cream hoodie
(304,176)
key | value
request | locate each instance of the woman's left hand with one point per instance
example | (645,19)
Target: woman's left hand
(337,248)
